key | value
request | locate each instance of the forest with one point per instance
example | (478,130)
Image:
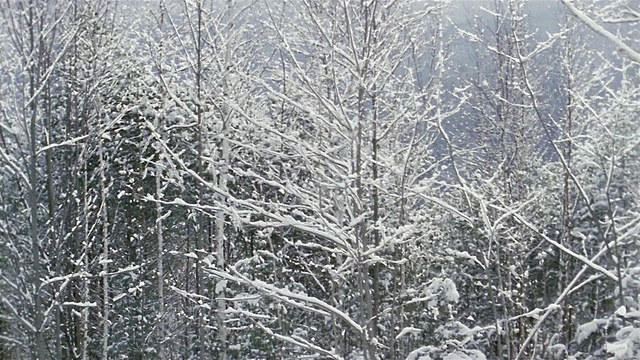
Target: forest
(319,179)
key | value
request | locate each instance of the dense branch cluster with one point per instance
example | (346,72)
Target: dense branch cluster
(330,179)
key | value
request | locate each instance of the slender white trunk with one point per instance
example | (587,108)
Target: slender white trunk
(34,82)
(222,331)
(105,258)
(220,238)
(160,245)
(160,270)
(201,339)
(83,263)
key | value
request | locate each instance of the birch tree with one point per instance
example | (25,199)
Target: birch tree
(38,44)
(205,49)
(346,101)
(562,137)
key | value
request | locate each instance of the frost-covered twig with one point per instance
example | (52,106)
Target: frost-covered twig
(632,54)
(315,303)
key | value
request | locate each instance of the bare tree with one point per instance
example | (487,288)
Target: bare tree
(629,14)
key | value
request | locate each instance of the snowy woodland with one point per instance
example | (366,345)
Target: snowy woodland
(319,179)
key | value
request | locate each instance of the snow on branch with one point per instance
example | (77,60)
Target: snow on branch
(13,165)
(13,341)
(296,340)
(551,308)
(63,143)
(17,315)
(307,302)
(567,251)
(632,54)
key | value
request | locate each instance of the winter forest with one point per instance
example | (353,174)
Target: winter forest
(319,179)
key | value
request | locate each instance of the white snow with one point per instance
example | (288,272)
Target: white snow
(221,286)
(586,330)
(465,355)
(408,330)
